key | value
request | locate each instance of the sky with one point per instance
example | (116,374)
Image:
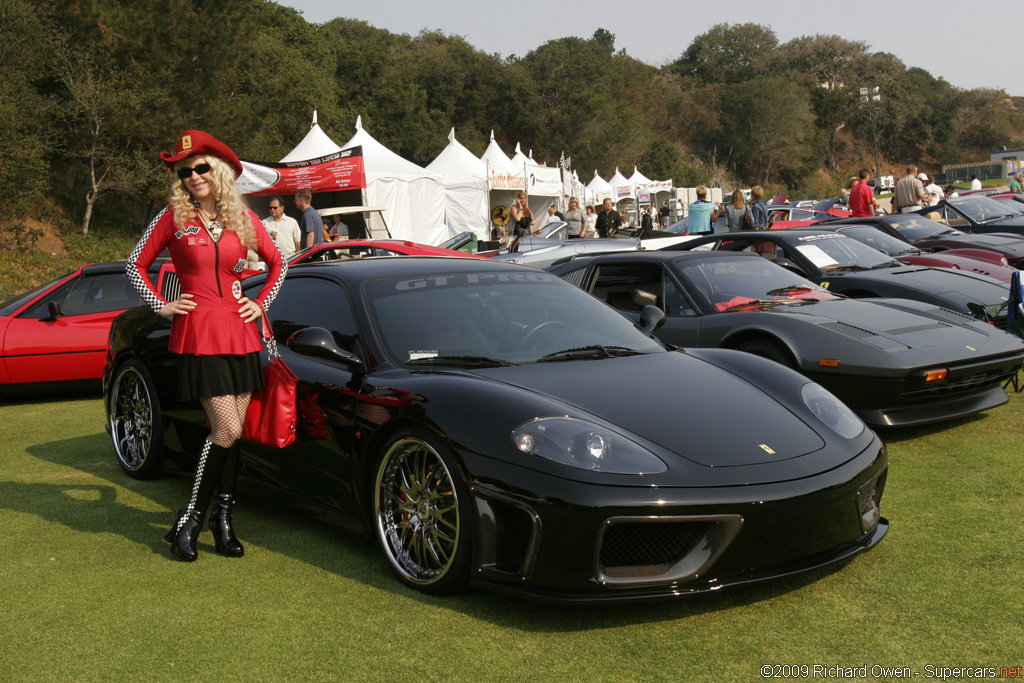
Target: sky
(958,41)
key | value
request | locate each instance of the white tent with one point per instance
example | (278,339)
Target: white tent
(624,196)
(639,179)
(413,199)
(519,159)
(465,187)
(600,189)
(622,187)
(543,188)
(504,178)
(316,144)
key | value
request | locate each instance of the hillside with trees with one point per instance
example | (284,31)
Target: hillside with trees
(95,89)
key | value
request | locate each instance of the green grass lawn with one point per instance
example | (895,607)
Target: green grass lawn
(90,592)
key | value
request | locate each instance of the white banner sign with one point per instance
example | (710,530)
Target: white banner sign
(543,181)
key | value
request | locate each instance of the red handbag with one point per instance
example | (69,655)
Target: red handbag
(272,414)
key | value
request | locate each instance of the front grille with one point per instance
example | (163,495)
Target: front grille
(869,499)
(964,384)
(647,549)
(171,288)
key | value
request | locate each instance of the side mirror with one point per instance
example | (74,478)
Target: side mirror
(651,318)
(54,312)
(790,266)
(319,343)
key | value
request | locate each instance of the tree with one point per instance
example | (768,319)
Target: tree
(768,126)
(824,66)
(26,113)
(99,105)
(729,53)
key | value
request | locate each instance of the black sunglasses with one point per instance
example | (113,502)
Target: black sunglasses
(184,173)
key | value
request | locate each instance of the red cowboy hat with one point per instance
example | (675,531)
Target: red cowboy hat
(194,142)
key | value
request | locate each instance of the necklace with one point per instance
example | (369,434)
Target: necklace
(211,223)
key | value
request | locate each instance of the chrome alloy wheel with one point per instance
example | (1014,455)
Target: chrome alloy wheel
(131,418)
(418,520)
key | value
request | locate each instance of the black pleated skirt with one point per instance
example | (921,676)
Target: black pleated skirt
(204,376)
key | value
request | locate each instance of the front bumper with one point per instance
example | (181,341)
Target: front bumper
(564,541)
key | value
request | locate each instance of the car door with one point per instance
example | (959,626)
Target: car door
(615,284)
(320,464)
(72,346)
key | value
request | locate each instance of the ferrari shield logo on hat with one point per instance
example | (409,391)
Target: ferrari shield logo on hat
(186,142)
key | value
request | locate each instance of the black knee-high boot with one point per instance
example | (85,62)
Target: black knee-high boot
(185,531)
(220,516)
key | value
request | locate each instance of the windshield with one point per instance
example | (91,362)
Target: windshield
(915,227)
(981,209)
(876,239)
(834,252)
(16,301)
(554,230)
(459,241)
(485,318)
(748,283)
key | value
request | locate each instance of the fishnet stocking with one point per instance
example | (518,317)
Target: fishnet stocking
(227,417)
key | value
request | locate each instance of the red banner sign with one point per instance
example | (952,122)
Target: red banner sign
(339,171)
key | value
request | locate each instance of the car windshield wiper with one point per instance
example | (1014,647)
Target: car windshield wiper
(787,290)
(594,351)
(850,266)
(887,264)
(760,303)
(482,361)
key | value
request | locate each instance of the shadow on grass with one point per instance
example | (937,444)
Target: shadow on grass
(287,525)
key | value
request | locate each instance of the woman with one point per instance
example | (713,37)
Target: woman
(575,219)
(591,221)
(736,213)
(758,209)
(207,230)
(522,217)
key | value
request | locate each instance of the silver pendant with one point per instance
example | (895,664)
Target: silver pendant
(215,229)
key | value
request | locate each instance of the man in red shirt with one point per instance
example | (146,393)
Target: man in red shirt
(862,199)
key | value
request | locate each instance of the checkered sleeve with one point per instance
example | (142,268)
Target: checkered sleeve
(143,255)
(277,267)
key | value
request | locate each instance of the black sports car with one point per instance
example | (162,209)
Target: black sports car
(844,265)
(976,213)
(490,423)
(894,361)
(987,263)
(938,237)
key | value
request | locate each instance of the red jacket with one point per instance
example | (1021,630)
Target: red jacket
(211,272)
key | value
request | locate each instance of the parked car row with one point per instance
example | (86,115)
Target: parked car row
(617,422)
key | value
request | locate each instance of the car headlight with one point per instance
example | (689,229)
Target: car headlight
(830,410)
(579,443)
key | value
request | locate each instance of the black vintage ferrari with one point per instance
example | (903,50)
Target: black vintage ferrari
(490,424)
(936,237)
(841,264)
(895,362)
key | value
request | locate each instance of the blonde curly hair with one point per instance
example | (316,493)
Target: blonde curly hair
(232,208)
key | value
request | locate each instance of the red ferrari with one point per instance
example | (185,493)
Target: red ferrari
(55,337)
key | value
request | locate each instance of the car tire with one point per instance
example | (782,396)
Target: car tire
(770,349)
(136,425)
(421,518)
